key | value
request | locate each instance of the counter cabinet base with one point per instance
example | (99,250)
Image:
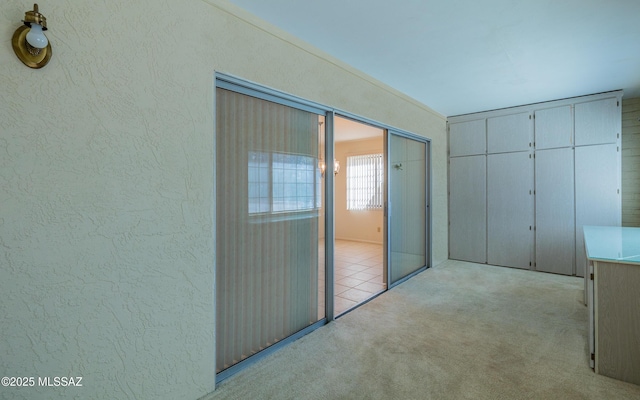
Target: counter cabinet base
(614,319)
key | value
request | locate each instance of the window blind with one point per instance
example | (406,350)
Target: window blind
(365,178)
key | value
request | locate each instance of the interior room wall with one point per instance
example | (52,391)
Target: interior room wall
(361,225)
(631,162)
(106,170)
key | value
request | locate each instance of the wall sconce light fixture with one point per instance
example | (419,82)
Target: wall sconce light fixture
(323,167)
(29,42)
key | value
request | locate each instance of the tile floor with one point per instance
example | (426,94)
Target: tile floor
(358,274)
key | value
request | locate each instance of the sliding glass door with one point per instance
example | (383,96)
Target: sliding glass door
(268,208)
(407,206)
(275,170)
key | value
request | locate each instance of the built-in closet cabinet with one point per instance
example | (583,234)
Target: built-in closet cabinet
(597,165)
(468,208)
(468,190)
(509,133)
(555,223)
(510,190)
(598,124)
(510,209)
(468,180)
(597,192)
(524,181)
(554,190)
(554,127)
(468,138)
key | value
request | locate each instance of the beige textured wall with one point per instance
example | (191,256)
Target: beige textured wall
(631,162)
(356,225)
(106,171)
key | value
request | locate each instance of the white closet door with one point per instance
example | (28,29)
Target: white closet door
(554,128)
(468,138)
(555,223)
(597,122)
(597,198)
(468,208)
(509,133)
(510,209)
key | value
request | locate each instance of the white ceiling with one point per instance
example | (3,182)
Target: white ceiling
(346,130)
(462,56)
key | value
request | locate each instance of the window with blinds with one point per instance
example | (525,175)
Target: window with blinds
(365,174)
(280,182)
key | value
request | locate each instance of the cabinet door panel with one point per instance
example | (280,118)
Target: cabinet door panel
(509,133)
(467,138)
(510,209)
(597,122)
(468,209)
(555,223)
(554,128)
(597,197)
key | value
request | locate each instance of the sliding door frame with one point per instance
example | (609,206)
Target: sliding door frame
(390,130)
(242,86)
(388,214)
(329,219)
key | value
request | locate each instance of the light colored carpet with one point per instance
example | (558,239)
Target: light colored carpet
(456,331)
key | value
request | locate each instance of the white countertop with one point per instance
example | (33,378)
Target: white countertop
(613,244)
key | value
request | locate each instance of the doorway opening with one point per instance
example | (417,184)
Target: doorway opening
(359,188)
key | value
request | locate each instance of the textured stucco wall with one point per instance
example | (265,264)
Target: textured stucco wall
(106,179)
